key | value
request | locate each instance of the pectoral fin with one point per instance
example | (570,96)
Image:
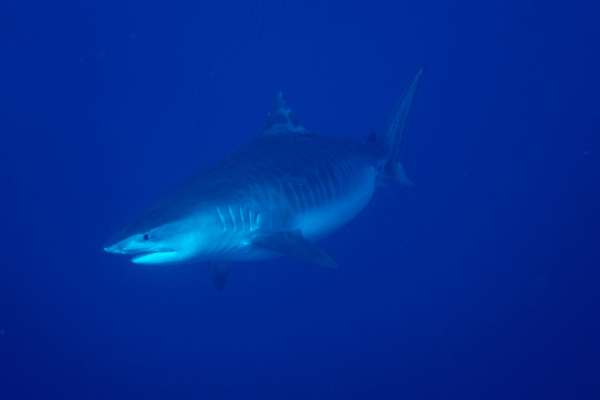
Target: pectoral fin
(219,271)
(295,245)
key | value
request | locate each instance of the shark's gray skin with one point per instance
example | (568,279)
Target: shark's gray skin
(275,196)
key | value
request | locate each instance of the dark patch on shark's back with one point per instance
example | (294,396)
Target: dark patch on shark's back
(285,166)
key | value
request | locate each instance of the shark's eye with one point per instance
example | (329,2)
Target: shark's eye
(146,237)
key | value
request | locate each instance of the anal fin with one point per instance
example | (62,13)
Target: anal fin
(293,244)
(219,271)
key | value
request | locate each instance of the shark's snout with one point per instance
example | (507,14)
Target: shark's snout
(112,245)
(142,247)
(114,249)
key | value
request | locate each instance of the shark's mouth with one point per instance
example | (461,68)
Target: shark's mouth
(153,257)
(143,254)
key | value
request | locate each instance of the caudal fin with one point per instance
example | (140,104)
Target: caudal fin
(392,135)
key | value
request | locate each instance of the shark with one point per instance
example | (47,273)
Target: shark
(276,196)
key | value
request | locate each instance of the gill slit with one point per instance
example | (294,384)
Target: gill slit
(222,219)
(242,217)
(232,218)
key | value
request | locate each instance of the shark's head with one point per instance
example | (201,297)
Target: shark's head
(157,237)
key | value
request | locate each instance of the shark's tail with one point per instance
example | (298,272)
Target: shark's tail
(391,137)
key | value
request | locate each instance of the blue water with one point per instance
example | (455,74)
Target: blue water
(480,283)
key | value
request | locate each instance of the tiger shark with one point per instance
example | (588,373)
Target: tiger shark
(277,195)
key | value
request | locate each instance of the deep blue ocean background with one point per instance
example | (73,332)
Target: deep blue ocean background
(483,282)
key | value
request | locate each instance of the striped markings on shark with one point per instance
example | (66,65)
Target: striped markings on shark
(275,196)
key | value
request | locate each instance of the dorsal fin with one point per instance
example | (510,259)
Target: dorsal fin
(281,120)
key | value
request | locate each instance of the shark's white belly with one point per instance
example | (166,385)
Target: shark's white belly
(319,223)
(233,242)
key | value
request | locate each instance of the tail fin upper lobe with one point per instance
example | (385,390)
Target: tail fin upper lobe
(392,135)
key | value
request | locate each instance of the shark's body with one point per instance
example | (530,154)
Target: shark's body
(275,196)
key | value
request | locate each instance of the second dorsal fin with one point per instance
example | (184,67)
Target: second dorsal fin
(281,120)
